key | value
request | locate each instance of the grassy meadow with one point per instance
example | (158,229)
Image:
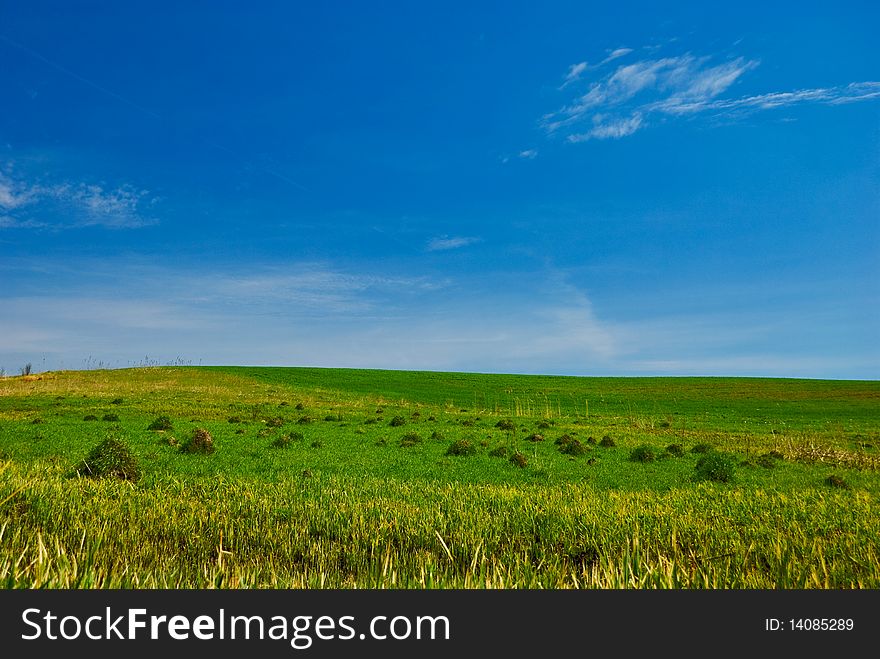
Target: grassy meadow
(333,478)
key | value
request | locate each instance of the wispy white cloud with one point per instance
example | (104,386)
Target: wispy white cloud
(620,102)
(851,93)
(615,54)
(37,204)
(444,243)
(528,154)
(576,71)
(612,129)
(574,74)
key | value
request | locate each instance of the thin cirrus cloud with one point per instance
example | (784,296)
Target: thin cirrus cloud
(65,205)
(623,101)
(446,243)
(575,71)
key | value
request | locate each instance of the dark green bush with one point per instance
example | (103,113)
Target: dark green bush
(160,423)
(281,442)
(410,439)
(573,447)
(110,459)
(675,450)
(701,448)
(199,442)
(715,466)
(607,442)
(519,459)
(506,424)
(110,417)
(836,481)
(461,447)
(643,453)
(397,421)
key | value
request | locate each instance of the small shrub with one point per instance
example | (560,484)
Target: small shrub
(535,437)
(543,425)
(410,439)
(90,417)
(701,448)
(160,423)
(110,417)
(199,442)
(381,442)
(432,418)
(317,444)
(563,439)
(234,419)
(715,466)
(239,431)
(643,453)
(461,447)
(116,401)
(281,442)
(836,481)
(303,420)
(39,421)
(299,406)
(397,422)
(573,447)
(607,442)
(416,414)
(110,459)
(368,421)
(675,450)
(436,435)
(519,460)
(591,440)
(499,452)
(283,403)
(506,424)
(467,422)
(777,455)
(275,422)
(333,417)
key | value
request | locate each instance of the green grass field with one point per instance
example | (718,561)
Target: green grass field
(350,479)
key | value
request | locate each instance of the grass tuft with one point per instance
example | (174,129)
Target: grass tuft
(200,442)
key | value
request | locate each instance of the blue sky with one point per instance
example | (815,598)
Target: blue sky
(548,187)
